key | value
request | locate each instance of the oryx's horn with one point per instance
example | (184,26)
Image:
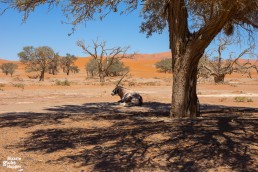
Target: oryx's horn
(122,78)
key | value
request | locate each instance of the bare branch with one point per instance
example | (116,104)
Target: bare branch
(105,57)
(219,67)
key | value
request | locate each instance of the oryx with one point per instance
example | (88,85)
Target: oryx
(128,97)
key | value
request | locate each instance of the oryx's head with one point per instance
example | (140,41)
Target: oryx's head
(117,88)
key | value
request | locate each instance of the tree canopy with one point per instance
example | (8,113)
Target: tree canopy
(202,13)
(67,64)
(164,65)
(8,68)
(104,57)
(37,59)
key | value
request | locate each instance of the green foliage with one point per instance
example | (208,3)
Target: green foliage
(63,83)
(249,100)
(117,68)
(92,67)
(240,99)
(105,58)
(54,64)
(37,59)
(75,69)
(243,99)
(19,85)
(165,65)
(67,64)
(8,68)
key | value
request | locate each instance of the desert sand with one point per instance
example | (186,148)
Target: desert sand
(81,127)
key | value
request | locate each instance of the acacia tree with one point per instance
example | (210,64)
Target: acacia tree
(53,66)
(67,63)
(8,68)
(91,67)
(116,69)
(164,65)
(219,67)
(37,59)
(188,40)
(104,57)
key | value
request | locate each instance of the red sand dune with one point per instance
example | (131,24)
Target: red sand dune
(3,61)
(141,65)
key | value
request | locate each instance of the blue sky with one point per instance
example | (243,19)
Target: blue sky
(45,27)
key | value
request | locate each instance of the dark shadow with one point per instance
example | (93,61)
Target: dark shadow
(30,119)
(144,138)
(227,110)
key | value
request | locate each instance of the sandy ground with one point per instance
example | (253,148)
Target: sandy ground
(79,128)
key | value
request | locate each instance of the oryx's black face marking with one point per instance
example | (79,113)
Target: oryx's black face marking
(115,91)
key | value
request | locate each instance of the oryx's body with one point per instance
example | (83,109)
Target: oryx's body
(128,97)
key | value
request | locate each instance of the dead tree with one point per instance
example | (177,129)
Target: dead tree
(219,66)
(103,56)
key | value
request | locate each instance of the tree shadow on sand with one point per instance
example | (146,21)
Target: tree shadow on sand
(144,138)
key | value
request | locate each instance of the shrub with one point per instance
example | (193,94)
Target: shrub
(63,83)
(33,76)
(19,85)
(8,68)
(249,100)
(164,66)
(117,68)
(240,99)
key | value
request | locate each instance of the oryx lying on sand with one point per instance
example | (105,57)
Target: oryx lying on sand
(128,97)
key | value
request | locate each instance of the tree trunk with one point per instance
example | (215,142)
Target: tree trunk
(184,97)
(68,72)
(42,75)
(187,49)
(219,78)
(53,71)
(101,77)
(185,60)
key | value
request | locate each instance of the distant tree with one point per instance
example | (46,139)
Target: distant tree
(202,71)
(92,67)
(37,59)
(74,69)
(104,57)
(220,66)
(53,66)
(67,63)
(165,65)
(9,68)
(118,68)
